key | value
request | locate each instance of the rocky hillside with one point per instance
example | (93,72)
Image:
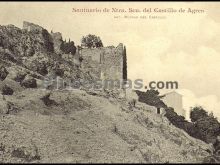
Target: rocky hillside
(74,126)
(32,53)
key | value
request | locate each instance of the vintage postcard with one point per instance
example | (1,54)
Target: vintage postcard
(109,82)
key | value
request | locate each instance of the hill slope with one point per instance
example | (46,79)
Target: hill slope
(80,127)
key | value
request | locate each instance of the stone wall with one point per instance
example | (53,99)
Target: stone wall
(105,63)
(91,61)
(31,26)
(57,41)
(112,63)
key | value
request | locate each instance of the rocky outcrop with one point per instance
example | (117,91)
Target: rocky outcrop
(35,50)
(22,43)
(3,73)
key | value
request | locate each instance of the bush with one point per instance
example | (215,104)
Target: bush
(42,69)
(208,127)
(47,101)
(6,90)
(28,157)
(177,120)
(197,113)
(68,47)
(20,77)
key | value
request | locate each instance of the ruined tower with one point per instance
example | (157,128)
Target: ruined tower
(106,62)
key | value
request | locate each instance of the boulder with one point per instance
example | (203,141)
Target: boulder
(3,73)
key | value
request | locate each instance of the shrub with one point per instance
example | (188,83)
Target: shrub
(68,47)
(20,77)
(20,153)
(177,120)
(6,90)
(42,69)
(47,101)
(197,113)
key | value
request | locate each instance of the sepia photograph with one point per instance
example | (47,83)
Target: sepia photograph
(109,82)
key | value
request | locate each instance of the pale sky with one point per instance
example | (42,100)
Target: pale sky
(182,47)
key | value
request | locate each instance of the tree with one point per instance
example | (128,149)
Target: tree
(71,48)
(204,126)
(91,41)
(208,127)
(197,113)
(68,47)
(151,97)
(124,64)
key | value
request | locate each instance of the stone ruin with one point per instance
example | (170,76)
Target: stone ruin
(102,63)
(31,27)
(106,62)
